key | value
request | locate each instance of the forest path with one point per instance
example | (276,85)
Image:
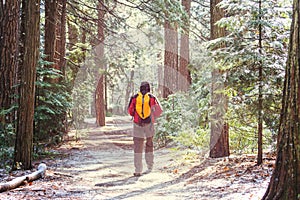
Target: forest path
(100,166)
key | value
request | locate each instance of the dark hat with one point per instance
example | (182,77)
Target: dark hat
(145,87)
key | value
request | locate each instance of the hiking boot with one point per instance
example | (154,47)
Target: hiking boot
(137,174)
(148,170)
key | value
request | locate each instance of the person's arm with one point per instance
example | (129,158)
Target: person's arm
(156,107)
(131,106)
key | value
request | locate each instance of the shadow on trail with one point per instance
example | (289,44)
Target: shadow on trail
(206,163)
(126,181)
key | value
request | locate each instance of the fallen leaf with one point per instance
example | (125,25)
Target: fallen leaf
(226,168)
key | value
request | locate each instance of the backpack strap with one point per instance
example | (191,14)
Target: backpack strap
(131,105)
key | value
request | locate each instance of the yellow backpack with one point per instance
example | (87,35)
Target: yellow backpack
(142,106)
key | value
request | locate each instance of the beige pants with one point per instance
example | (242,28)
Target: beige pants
(139,135)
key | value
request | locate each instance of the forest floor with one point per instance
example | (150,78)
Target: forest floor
(100,166)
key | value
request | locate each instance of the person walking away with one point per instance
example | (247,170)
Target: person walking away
(144,107)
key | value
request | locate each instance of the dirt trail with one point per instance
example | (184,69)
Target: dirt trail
(100,166)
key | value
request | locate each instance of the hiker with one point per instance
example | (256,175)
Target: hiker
(144,108)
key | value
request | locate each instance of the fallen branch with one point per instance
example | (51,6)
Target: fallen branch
(21,180)
(30,190)
(60,174)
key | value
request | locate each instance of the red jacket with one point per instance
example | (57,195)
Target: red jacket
(156,109)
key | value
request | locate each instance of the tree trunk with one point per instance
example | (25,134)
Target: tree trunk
(9,29)
(61,36)
(170,58)
(73,37)
(30,20)
(100,103)
(285,181)
(60,52)
(184,79)
(50,34)
(130,87)
(160,75)
(219,139)
(99,58)
(260,96)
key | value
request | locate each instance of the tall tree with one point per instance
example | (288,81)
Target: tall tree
(9,29)
(285,181)
(29,53)
(170,55)
(61,35)
(184,79)
(129,88)
(259,73)
(50,33)
(260,91)
(219,138)
(60,50)
(99,58)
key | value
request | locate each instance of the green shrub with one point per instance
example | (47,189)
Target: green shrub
(7,138)
(181,122)
(53,101)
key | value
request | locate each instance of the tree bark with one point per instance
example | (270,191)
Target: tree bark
(50,33)
(99,59)
(260,96)
(184,79)
(73,35)
(285,181)
(30,30)
(21,180)
(61,36)
(160,75)
(170,57)
(130,87)
(60,52)
(219,140)
(9,29)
